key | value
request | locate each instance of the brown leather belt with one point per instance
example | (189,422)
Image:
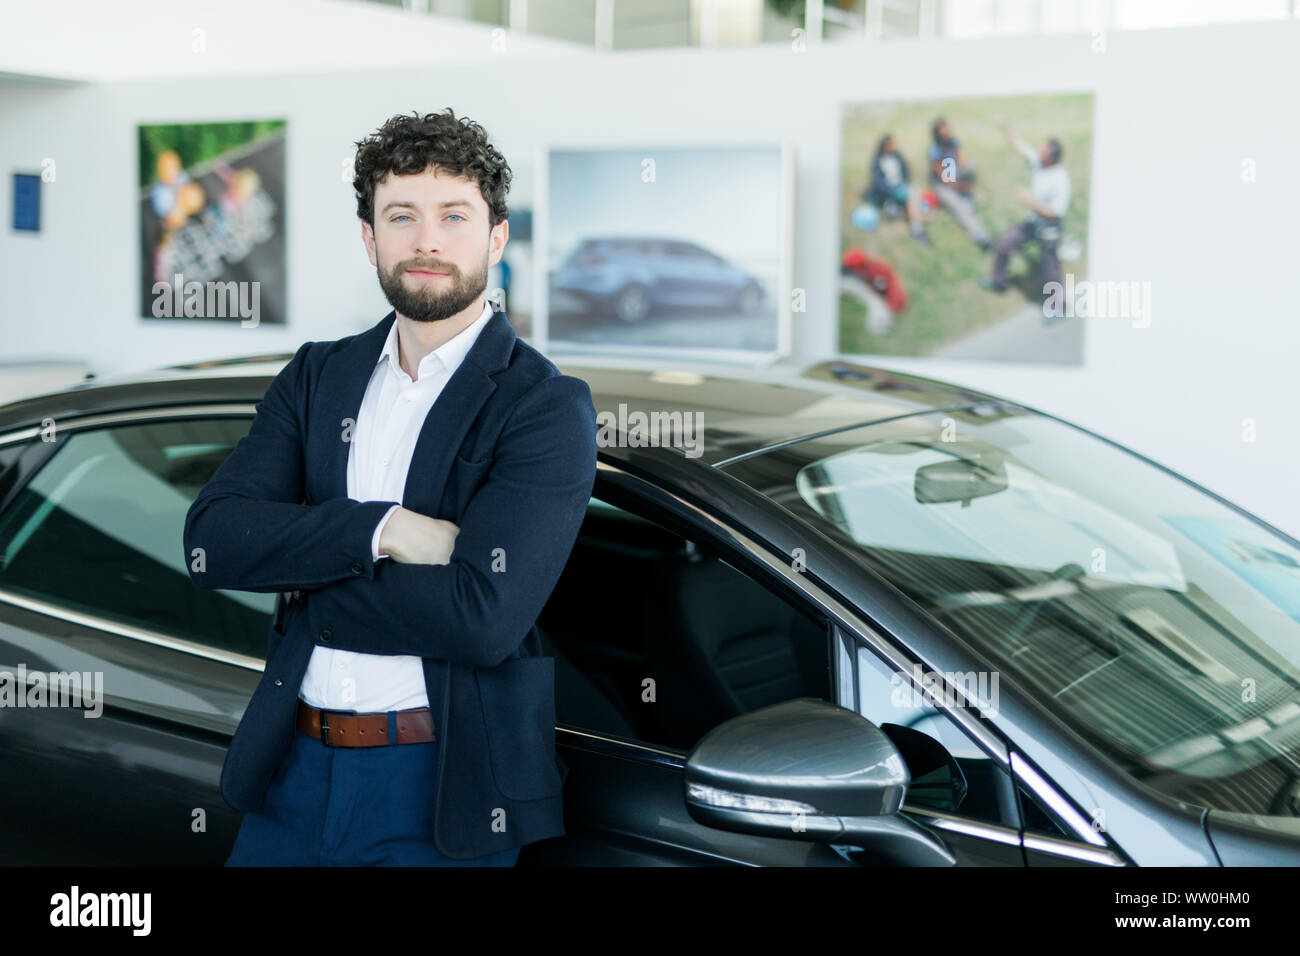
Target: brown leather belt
(340,729)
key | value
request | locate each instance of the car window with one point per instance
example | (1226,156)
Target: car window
(658,640)
(982,790)
(1038,818)
(685,250)
(9,455)
(1150,618)
(98,530)
(700,254)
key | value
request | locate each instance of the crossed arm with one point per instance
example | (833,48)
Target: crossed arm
(514,538)
(248,528)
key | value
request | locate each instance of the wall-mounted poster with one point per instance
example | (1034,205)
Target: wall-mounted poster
(667,251)
(212,222)
(964,228)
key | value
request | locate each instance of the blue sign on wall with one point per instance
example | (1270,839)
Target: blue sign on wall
(27,202)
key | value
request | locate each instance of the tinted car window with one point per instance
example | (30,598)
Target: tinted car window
(982,790)
(1038,818)
(9,455)
(98,530)
(1160,624)
(657,639)
(696,253)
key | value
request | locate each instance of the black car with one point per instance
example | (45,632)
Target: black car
(857,618)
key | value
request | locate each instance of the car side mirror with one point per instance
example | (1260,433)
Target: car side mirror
(806,769)
(937,778)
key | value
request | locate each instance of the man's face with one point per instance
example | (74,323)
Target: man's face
(431,245)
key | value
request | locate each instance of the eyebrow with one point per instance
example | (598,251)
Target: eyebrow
(402,204)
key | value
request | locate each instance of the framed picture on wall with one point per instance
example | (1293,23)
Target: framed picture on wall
(964,227)
(212,221)
(666,250)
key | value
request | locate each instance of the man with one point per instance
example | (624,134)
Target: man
(1048,197)
(419,486)
(952,180)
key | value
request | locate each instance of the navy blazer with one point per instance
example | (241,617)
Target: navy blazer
(508,453)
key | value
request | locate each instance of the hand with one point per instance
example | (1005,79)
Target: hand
(413,538)
(1026,197)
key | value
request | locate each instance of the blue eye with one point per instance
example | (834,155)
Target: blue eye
(458,216)
(402,217)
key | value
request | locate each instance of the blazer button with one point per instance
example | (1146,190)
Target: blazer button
(278,682)
(327,635)
(357,569)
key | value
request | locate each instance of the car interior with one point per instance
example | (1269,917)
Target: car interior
(657,639)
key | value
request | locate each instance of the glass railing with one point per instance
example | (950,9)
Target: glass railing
(648,24)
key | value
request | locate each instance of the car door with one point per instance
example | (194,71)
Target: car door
(657,638)
(93,587)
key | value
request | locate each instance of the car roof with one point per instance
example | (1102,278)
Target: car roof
(742,410)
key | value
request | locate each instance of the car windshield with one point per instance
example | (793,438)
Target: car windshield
(1160,624)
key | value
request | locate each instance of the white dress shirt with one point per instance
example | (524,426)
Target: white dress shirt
(383,440)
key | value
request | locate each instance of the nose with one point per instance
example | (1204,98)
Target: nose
(428,242)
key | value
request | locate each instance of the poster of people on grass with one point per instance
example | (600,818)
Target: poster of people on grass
(211,200)
(964,227)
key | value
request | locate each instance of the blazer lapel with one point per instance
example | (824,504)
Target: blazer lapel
(454,413)
(342,388)
(337,403)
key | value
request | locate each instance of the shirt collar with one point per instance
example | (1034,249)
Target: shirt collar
(450,353)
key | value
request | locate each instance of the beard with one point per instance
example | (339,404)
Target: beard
(432,301)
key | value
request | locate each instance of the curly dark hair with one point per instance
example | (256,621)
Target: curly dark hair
(408,145)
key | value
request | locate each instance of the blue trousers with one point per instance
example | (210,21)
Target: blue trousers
(350,806)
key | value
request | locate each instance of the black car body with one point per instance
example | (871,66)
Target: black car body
(769,636)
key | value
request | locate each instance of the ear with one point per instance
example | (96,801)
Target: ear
(368,237)
(497,241)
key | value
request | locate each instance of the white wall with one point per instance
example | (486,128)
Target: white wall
(1177,112)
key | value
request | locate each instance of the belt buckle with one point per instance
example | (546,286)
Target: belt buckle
(324,728)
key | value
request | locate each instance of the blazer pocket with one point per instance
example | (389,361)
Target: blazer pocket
(468,477)
(518,702)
